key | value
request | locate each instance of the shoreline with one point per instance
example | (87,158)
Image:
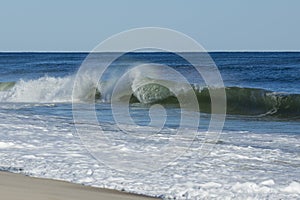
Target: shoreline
(21,187)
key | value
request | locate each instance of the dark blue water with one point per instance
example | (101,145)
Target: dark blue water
(276,71)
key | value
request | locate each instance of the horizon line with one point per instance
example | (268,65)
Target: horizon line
(209,51)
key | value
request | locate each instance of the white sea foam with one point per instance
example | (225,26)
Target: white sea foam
(244,165)
(293,187)
(45,89)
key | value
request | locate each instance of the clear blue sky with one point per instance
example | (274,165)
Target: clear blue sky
(65,25)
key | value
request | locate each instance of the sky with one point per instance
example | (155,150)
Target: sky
(65,25)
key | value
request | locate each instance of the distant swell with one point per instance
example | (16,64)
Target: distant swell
(240,101)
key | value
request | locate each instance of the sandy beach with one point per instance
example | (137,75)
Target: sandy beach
(21,187)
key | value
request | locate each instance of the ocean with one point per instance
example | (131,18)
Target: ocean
(256,155)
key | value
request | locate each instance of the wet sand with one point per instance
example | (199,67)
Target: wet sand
(21,187)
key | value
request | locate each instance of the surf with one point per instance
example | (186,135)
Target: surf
(148,91)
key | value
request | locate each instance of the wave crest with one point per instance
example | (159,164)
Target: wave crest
(144,90)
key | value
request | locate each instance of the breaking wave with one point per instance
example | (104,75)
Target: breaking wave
(240,101)
(144,90)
